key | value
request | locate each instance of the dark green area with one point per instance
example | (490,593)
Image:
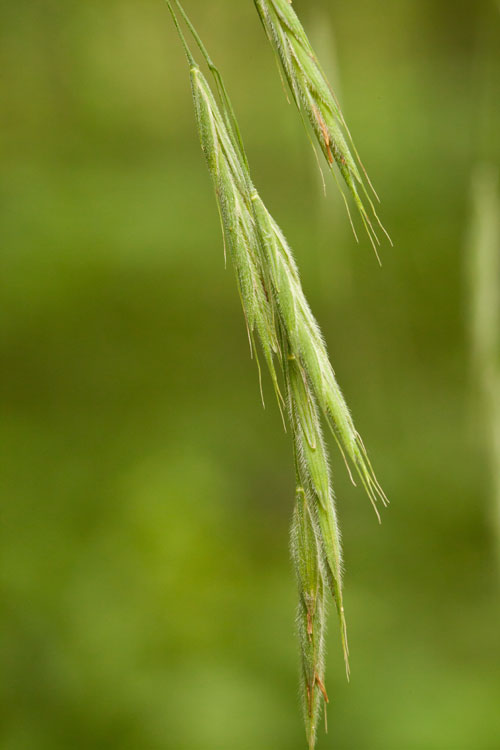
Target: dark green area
(147,600)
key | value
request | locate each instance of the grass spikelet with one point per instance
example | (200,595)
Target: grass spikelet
(313,475)
(311,610)
(307,343)
(278,315)
(318,105)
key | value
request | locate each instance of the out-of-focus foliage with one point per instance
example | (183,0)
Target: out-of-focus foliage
(147,594)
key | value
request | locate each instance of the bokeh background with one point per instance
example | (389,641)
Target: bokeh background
(147,598)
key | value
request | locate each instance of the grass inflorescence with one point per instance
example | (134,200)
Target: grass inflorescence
(278,316)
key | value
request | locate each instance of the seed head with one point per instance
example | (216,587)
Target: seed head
(278,315)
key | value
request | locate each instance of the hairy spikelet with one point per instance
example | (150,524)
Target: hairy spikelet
(306,343)
(305,542)
(278,315)
(238,226)
(313,477)
(317,103)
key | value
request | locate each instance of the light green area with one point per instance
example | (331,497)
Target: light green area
(147,593)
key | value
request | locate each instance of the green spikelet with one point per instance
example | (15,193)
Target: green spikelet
(317,103)
(313,474)
(311,610)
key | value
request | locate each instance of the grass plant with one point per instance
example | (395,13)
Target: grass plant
(278,316)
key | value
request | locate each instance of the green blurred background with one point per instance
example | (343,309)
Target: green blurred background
(147,599)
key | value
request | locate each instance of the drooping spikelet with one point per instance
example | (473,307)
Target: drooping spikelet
(277,313)
(316,101)
(305,542)
(307,345)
